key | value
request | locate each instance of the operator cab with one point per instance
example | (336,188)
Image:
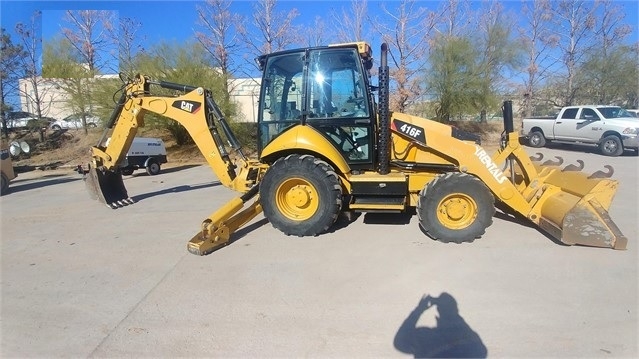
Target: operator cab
(323,87)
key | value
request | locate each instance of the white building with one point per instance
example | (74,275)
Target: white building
(244,92)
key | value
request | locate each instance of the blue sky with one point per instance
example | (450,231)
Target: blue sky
(175,20)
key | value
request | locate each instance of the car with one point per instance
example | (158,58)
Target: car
(22,120)
(633,112)
(611,128)
(75,122)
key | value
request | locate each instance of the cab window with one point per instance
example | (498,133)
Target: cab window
(338,104)
(281,97)
(336,85)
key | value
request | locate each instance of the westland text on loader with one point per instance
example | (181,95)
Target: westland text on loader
(326,146)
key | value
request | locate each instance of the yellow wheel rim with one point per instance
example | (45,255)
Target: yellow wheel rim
(457,211)
(297,199)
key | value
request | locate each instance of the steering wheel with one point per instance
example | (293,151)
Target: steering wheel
(346,138)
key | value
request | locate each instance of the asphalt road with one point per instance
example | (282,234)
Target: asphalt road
(81,280)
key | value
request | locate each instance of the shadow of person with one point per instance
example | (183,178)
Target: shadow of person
(451,338)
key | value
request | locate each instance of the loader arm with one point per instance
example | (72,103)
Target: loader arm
(568,204)
(197,111)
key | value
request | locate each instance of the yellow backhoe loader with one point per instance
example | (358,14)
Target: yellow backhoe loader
(325,145)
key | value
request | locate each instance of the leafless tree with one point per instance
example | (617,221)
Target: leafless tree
(218,37)
(89,32)
(454,19)
(407,32)
(610,29)
(572,32)
(533,35)
(316,32)
(11,56)
(351,24)
(38,92)
(607,61)
(128,43)
(272,30)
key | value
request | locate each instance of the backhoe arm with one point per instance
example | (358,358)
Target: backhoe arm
(197,111)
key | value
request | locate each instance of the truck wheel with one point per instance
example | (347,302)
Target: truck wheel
(4,186)
(536,139)
(455,207)
(127,171)
(301,195)
(611,146)
(153,168)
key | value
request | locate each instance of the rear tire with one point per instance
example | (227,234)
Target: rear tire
(127,172)
(455,207)
(153,168)
(611,146)
(301,195)
(536,139)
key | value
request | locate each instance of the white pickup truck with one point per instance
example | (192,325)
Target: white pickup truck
(611,128)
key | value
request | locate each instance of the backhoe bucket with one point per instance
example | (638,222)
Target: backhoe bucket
(107,187)
(573,207)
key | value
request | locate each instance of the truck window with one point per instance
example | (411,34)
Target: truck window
(612,112)
(588,114)
(570,114)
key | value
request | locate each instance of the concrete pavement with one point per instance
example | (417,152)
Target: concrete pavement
(81,280)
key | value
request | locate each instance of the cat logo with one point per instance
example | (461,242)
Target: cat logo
(188,106)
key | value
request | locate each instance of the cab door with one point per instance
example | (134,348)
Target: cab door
(577,125)
(339,105)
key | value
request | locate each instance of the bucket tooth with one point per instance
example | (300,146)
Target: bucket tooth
(602,174)
(554,163)
(573,167)
(537,157)
(106,187)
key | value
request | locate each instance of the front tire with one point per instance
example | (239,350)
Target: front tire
(301,195)
(455,207)
(536,139)
(611,146)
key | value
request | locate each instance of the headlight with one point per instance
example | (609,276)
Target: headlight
(630,131)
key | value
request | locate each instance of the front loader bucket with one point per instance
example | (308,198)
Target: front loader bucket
(573,208)
(107,187)
(589,224)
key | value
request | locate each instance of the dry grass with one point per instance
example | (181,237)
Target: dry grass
(72,148)
(490,132)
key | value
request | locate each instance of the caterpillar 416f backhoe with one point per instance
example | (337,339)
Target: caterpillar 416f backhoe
(326,146)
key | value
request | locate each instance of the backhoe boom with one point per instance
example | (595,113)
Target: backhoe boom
(197,111)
